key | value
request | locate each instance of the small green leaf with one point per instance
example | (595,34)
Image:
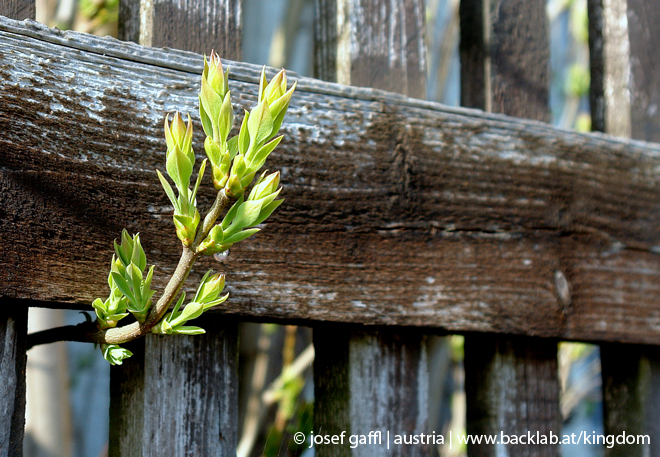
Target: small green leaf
(177,306)
(232,146)
(211,100)
(225,118)
(280,107)
(215,302)
(260,123)
(179,168)
(240,236)
(124,287)
(168,191)
(133,272)
(244,134)
(247,213)
(207,125)
(263,82)
(264,151)
(200,175)
(231,214)
(188,330)
(267,210)
(139,258)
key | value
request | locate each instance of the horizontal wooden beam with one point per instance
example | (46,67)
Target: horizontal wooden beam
(397,212)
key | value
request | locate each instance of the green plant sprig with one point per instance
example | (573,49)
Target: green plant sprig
(234,163)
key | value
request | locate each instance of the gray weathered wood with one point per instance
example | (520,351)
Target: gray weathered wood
(511,388)
(397,211)
(177,394)
(382,375)
(505,55)
(371,43)
(511,383)
(367,380)
(627,393)
(625,97)
(18,9)
(182,394)
(13,333)
(13,326)
(192,25)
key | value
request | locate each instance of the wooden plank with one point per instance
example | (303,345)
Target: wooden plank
(624,98)
(181,393)
(505,54)
(13,332)
(18,9)
(13,326)
(192,25)
(644,35)
(511,383)
(511,388)
(376,380)
(371,43)
(371,379)
(398,211)
(177,393)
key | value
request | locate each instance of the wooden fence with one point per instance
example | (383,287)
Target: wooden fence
(402,217)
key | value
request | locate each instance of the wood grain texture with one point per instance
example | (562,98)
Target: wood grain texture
(609,56)
(511,383)
(182,392)
(371,43)
(18,9)
(627,396)
(381,375)
(397,211)
(191,25)
(624,91)
(368,380)
(13,332)
(511,388)
(505,55)
(178,394)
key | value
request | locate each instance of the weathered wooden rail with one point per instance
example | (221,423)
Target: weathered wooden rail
(399,213)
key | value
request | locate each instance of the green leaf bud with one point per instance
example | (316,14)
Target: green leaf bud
(115,354)
(192,311)
(214,74)
(186,227)
(180,156)
(265,186)
(260,125)
(275,88)
(210,287)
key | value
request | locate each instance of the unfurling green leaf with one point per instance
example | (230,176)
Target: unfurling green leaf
(115,354)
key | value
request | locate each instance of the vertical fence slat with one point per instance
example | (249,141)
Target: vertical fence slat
(13,325)
(13,335)
(505,55)
(179,395)
(192,25)
(511,387)
(511,383)
(18,9)
(625,101)
(371,379)
(371,43)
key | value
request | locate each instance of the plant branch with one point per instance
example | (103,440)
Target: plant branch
(89,332)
